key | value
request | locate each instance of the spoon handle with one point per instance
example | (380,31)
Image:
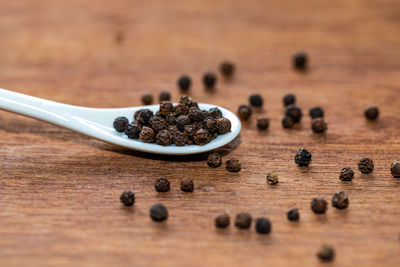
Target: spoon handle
(38,108)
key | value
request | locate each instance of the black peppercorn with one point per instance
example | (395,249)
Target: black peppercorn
(214,160)
(303,157)
(162,185)
(184,83)
(179,138)
(127,198)
(166,108)
(147,99)
(223,125)
(287,122)
(316,112)
(243,220)
(215,113)
(222,220)
(227,68)
(289,99)
(143,116)
(210,124)
(164,96)
(185,100)
(319,205)
(294,112)
(170,119)
(209,80)
(340,200)
(293,215)
(347,174)
(318,125)
(256,100)
(158,212)
(263,226)
(262,123)
(195,114)
(190,130)
(371,113)
(233,165)
(182,121)
(187,185)
(158,123)
(132,130)
(395,169)
(180,109)
(201,137)
(326,253)
(244,112)
(147,135)
(120,123)
(164,138)
(300,61)
(366,165)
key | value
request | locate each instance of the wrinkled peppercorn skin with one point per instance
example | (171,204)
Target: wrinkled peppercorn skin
(162,185)
(164,138)
(187,185)
(347,174)
(201,137)
(272,178)
(132,130)
(223,125)
(147,135)
(366,165)
(233,165)
(395,169)
(120,123)
(302,158)
(214,160)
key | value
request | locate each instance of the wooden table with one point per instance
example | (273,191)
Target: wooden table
(59,190)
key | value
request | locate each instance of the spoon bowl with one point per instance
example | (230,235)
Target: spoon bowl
(98,122)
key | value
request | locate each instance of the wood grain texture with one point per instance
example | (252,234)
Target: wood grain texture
(59,191)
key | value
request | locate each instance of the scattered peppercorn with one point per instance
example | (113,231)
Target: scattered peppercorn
(147,135)
(316,112)
(262,123)
(222,220)
(272,178)
(209,80)
(263,226)
(227,68)
(293,215)
(287,122)
(289,99)
(187,185)
(244,112)
(120,123)
(395,169)
(233,165)
(184,83)
(164,96)
(147,99)
(340,200)
(243,220)
(132,130)
(303,157)
(162,185)
(319,205)
(371,113)
(214,160)
(366,165)
(294,112)
(256,100)
(127,198)
(347,174)
(158,212)
(326,253)
(300,61)
(318,125)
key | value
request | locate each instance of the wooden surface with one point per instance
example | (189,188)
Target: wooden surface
(59,191)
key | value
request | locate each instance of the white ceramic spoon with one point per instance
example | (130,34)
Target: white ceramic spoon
(98,122)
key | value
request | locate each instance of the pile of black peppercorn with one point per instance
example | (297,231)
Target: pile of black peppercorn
(184,123)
